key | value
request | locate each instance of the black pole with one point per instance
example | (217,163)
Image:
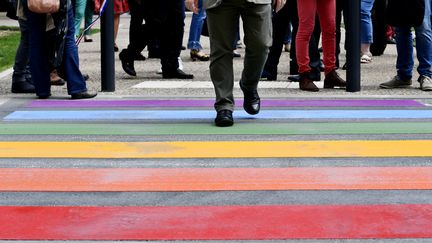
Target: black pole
(107,48)
(353,46)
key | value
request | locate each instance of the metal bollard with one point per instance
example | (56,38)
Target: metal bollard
(107,48)
(353,46)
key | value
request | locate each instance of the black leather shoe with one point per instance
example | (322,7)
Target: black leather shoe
(178,74)
(43,97)
(85,76)
(139,57)
(127,63)
(224,118)
(83,95)
(154,54)
(23,87)
(269,76)
(87,39)
(251,101)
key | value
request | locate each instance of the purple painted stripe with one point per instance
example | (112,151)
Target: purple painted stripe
(209,103)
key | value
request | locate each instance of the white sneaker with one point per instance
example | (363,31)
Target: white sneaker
(425,83)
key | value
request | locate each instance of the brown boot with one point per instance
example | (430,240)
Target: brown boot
(307,84)
(56,79)
(332,79)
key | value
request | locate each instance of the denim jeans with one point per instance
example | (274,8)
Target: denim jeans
(287,39)
(21,69)
(196,28)
(40,56)
(404,45)
(366,21)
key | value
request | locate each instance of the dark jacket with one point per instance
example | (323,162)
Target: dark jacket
(404,13)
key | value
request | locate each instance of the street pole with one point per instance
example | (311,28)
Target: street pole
(353,46)
(107,48)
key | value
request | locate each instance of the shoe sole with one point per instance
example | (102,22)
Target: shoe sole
(394,87)
(23,91)
(224,123)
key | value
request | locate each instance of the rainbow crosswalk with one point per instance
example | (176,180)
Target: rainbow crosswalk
(143,169)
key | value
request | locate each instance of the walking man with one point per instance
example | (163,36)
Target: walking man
(222,19)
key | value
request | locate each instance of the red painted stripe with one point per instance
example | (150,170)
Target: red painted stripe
(216,222)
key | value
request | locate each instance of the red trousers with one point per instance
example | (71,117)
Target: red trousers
(307,10)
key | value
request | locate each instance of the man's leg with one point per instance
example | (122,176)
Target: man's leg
(424,50)
(222,23)
(258,39)
(404,46)
(20,82)
(424,44)
(137,38)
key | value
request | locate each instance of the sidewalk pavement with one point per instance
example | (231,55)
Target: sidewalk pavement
(148,83)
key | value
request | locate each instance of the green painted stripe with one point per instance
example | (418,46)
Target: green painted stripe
(203,128)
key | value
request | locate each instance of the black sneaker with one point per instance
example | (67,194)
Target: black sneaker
(23,87)
(127,62)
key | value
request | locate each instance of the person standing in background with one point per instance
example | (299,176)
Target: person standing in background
(21,77)
(120,7)
(366,30)
(83,8)
(326,10)
(195,34)
(418,14)
(164,19)
(67,60)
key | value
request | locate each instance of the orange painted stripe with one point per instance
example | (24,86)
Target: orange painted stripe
(215,179)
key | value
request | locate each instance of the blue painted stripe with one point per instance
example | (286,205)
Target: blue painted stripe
(210,114)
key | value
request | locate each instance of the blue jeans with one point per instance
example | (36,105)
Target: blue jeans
(196,28)
(40,56)
(22,54)
(404,45)
(287,38)
(366,21)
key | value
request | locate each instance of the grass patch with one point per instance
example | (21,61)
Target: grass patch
(92,31)
(9,28)
(9,41)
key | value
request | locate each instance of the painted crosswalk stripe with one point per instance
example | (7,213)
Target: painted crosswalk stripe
(292,128)
(216,179)
(218,149)
(210,103)
(209,85)
(216,222)
(210,114)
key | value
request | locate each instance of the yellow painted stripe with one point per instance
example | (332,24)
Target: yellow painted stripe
(220,149)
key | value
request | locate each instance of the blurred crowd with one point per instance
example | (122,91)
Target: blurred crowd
(310,30)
